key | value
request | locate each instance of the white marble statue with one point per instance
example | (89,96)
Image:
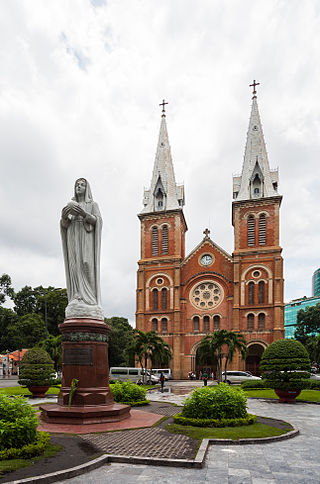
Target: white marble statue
(81,225)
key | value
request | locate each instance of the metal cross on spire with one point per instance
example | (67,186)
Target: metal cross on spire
(163,107)
(206,233)
(254,84)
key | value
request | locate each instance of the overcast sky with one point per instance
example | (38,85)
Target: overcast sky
(80,84)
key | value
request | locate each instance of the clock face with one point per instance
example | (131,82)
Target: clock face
(206,260)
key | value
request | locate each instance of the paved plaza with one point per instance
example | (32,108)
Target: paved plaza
(293,461)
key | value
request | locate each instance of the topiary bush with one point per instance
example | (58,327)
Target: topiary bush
(18,422)
(286,365)
(36,369)
(218,402)
(211,422)
(128,392)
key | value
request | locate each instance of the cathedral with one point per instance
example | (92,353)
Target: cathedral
(185,297)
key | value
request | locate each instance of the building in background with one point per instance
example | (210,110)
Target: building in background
(291,312)
(185,297)
(316,283)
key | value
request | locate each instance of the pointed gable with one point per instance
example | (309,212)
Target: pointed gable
(164,193)
(256,179)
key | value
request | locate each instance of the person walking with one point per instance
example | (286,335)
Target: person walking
(205,378)
(162,381)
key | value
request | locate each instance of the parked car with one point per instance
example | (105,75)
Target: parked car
(166,372)
(238,377)
(133,374)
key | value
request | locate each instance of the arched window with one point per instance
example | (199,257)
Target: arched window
(261,321)
(164,325)
(154,324)
(155,299)
(154,240)
(251,293)
(216,323)
(165,239)
(261,292)
(262,229)
(196,323)
(164,298)
(251,231)
(206,324)
(250,321)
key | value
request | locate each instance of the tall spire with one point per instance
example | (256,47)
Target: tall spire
(164,193)
(256,179)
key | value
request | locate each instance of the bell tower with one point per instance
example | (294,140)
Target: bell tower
(258,310)
(163,228)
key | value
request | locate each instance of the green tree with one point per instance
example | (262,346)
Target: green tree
(43,300)
(27,331)
(149,346)
(220,344)
(121,342)
(52,345)
(308,323)
(6,289)
(8,318)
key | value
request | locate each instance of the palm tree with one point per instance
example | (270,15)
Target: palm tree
(53,346)
(214,343)
(149,346)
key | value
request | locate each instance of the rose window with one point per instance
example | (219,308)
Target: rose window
(206,295)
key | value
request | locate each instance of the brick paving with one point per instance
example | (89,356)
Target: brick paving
(152,442)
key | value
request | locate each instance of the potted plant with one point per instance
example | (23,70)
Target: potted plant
(285,365)
(36,372)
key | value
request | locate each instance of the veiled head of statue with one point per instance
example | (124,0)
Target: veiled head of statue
(82,187)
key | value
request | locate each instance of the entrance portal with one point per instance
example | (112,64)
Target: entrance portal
(253,359)
(208,366)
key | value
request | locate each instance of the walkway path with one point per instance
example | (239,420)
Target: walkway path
(294,461)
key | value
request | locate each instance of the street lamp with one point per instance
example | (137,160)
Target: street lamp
(46,307)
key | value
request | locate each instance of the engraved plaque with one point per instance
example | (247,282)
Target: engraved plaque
(78,356)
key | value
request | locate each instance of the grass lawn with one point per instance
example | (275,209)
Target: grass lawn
(235,433)
(308,395)
(25,391)
(15,464)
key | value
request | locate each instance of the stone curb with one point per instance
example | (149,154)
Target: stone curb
(197,463)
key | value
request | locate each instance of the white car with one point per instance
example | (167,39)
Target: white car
(239,377)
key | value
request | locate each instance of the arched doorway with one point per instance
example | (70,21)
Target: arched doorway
(255,351)
(208,366)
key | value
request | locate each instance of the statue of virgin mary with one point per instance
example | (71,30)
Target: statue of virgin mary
(81,225)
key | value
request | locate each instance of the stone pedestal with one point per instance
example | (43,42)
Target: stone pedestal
(85,358)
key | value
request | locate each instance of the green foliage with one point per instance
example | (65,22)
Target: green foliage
(308,322)
(36,368)
(121,342)
(27,451)
(5,288)
(8,318)
(127,392)
(211,422)
(18,422)
(246,385)
(312,345)
(150,347)
(73,389)
(218,402)
(285,365)
(52,345)
(212,348)
(27,331)
(314,385)
(139,403)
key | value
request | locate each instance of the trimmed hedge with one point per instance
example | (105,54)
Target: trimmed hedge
(286,365)
(314,385)
(211,422)
(18,422)
(216,402)
(128,392)
(28,450)
(136,404)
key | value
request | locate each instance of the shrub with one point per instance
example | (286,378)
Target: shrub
(36,369)
(29,450)
(247,385)
(211,422)
(314,384)
(286,365)
(217,402)
(127,392)
(18,422)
